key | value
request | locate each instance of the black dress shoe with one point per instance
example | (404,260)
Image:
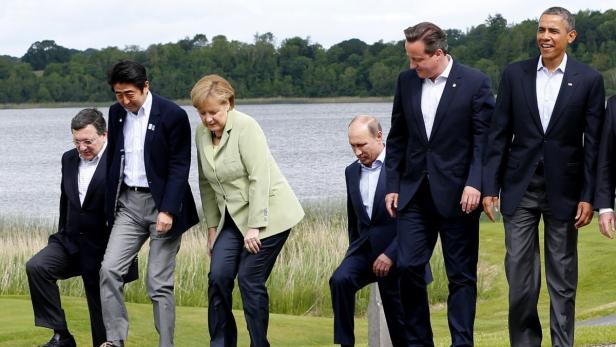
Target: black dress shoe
(58,341)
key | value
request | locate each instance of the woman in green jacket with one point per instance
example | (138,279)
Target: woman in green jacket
(249,210)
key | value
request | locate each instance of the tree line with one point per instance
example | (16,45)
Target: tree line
(297,67)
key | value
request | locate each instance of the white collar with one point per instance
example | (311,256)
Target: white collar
(146,107)
(561,67)
(97,157)
(378,161)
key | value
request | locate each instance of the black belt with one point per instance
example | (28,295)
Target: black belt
(136,189)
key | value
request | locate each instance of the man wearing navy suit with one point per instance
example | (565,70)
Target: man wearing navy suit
(79,245)
(148,196)
(373,247)
(542,151)
(440,116)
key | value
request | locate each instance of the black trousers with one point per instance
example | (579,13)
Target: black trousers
(523,268)
(230,259)
(54,263)
(419,226)
(354,273)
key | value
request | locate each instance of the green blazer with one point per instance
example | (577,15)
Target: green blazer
(240,174)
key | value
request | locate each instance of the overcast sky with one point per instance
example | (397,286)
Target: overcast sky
(82,24)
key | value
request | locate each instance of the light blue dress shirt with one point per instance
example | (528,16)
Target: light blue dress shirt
(368,180)
(548,86)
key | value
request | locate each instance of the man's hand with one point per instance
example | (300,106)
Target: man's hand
(381,265)
(470,199)
(251,241)
(490,205)
(391,204)
(606,224)
(583,215)
(164,221)
(211,233)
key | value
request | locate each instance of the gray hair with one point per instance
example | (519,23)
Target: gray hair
(564,14)
(373,124)
(430,34)
(89,116)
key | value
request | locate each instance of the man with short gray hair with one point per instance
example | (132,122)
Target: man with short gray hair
(78,247)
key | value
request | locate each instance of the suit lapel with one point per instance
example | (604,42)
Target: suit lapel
(207,145)
(356,194)
(415,88)
(72,179)
(379,194)
(226,133)
(564,94)
(97,178)
(150,130)
(529,83)
(451,86)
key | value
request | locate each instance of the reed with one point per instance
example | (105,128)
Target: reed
(298,284)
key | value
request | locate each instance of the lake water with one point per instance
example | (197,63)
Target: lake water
(308,141)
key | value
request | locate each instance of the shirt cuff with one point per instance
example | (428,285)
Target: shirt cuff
(605,210)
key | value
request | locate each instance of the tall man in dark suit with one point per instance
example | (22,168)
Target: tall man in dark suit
(79,245)
(148,196)
(542,151)
(435,146)
(373,248)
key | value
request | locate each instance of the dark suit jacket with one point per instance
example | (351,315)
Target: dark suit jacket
(82,228)
(452,158)
(606,164)
(380,229)
(568,148)
(167,161)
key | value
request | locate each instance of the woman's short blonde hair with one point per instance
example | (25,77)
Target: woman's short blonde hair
(212,85)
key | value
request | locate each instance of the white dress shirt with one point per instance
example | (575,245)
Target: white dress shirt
(368,180)
(135,128)
(548,85)
(431,92)
(86,172)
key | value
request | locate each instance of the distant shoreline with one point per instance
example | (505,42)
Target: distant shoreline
(186,102)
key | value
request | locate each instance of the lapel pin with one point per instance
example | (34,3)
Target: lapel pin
(570,84)
(120,120)
(151,126)
(454,85)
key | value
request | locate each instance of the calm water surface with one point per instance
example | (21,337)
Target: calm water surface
(308,141)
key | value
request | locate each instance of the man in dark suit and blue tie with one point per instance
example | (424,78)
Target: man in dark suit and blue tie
(79,245)
(148,197)
(440,116)
(373,248)
(542,155)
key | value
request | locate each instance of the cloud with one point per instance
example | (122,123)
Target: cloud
(98,24)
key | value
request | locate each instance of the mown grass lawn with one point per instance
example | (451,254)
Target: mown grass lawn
(17,327)
(596,298)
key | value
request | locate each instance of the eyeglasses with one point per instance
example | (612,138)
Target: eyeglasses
(86,142)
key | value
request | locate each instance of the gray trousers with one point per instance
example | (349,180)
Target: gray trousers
(136,221)
(523,268)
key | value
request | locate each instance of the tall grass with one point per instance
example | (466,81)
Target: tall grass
(298,283)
